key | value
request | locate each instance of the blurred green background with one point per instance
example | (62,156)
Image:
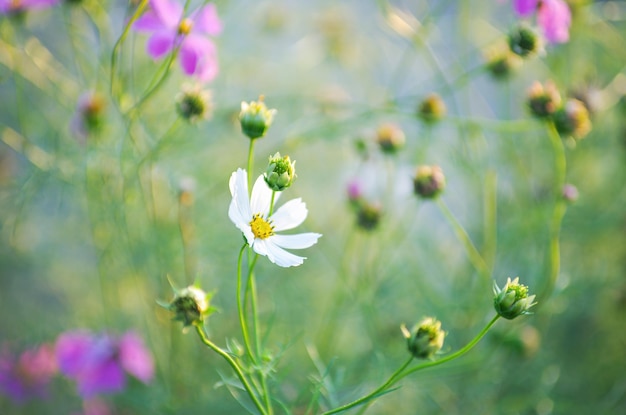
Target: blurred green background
(90,232)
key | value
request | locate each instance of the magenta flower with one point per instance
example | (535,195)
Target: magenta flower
(99,364)
(554,17)
(17,6)
(28,375)
(170,29)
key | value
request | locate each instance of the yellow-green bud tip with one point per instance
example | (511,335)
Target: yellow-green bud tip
(425,339)
(255,118)
(513,299)
(280,173)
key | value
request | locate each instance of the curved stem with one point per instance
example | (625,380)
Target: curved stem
(454,355)
(233,364)
(392,379)
(474,256)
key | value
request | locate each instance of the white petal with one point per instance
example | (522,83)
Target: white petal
(239,191)
(289,215)
(261,197)
(281,257)
(260,247)
(299,241)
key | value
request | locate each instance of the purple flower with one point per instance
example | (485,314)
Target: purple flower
(17,6)
(99,363)
(554,17)
(170,29)
(27,376)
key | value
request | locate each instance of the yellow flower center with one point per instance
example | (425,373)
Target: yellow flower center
(261,228)
(185,26)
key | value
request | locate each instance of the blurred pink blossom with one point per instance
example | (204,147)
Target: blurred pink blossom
(554,17)
(170,29)
(16,6)
(99,363)
(28,375)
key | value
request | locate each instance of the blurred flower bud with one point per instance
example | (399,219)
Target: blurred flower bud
(194,104)
(501,62)
(190,305)
(88,118)
(524,41)
(425,339)
(543,100)
(570,193)
(573,119)
(390,138)
(512,300)
(368,215)
(429,181)
(432,108)
(280,173)
(255,118)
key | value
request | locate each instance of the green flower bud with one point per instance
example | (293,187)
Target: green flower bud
(512,300)
(190,305)
(280,172)
(255,118)
(425,339)
(501,62)
(429,181)
(368,215)
(524,41)
(390,138)
(432,108)
(543,100)
(573,119)
(194,104)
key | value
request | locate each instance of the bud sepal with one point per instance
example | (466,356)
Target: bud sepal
(425,339)
(512,300)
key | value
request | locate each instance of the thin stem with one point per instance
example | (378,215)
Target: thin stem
(474,256)
(233,364)
(241,308)
(554,252)
(272,203)
(250,163)
(392,379)
(454,355)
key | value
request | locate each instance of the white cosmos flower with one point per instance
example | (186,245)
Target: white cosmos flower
(251,216)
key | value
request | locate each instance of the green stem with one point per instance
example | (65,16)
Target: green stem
(454,355)
(233,364)
(250,164)
(118,44)
(241,308)
(474,256)
(392,379)
(560,166)
(272,203)
(251,289)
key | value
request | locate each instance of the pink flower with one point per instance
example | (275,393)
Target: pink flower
(27,376)
(170,29)
(16,6)
(99,364)
(554,17)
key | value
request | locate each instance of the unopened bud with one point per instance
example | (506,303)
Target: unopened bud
(390,138)
(524,41)
(190,305)
(573,119)
(255,118)
(432,108)
(543,100)
(194,104)
(512,300)
(429,181)
(425,338)
(368,215)
(280,173)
